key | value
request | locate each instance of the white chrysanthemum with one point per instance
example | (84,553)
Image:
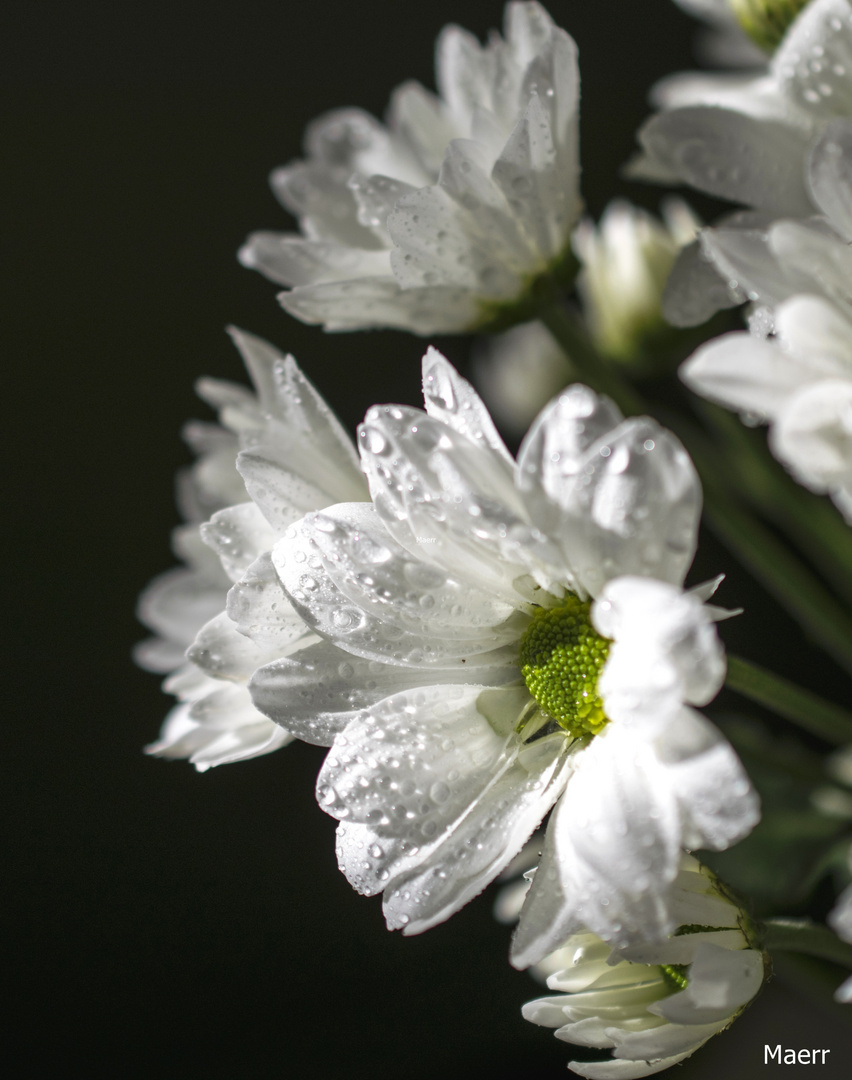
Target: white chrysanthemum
(457,682)
(799,381)
(442,219)
(653,1005)
(295,457)
(626,262)
(840,921)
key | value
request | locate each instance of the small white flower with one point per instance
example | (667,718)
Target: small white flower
(441,220)
(799,381)
(626,262)
(457,682)
(653,1005)
(221,610)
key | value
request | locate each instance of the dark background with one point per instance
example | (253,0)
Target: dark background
(163,923)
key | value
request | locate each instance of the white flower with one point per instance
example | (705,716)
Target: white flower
(799,381)
(442,219)
(653,1005)
(295,457)
(457,682)
(840,921)
(626,261)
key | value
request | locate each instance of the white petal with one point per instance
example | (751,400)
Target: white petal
(822,261)
(830,175)
(623,1070)
(813,434)
(449,499)
(528,173)
(318,195)
(178,603)
(223,652)
(666,1041)
(718,804)
(376,197)
(630,505)
(695,289)
(665,644)
(742,372)
(317,692)
(238,535)
(451,400)
(421,121)
(281,495)
(353,584)
(720,982)
(290,259)
(433,245)
(258,606)
(611,854)
(757,162)
(379,301)
(368,858)
(495,827)
(818,335)
(300,432)
(745,259)
(821,88)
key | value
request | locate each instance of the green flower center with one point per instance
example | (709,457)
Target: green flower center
(561,658)
(766,21)
(674,976)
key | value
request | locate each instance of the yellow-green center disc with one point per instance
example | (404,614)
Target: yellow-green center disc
(561,658)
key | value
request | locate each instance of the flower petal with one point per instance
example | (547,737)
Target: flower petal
(318,691)
(258,607)
(830,175)
(238,535)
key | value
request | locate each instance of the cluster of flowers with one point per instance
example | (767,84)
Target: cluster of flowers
(481,641)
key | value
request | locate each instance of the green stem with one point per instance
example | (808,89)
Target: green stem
(807,710)
(590,365)
(804,936)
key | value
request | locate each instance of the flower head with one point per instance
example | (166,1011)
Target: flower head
(654,1005)
(445,218)
(500,636)
(215,617)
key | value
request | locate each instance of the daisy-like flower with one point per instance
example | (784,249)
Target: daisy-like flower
(654,1005)
(449,216)
(799,381)
(215,617)
(626,262)
(500,636)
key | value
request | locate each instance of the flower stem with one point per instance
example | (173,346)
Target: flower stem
(589,364)
(807,710)
(805,936)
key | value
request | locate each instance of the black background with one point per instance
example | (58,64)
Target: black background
(163,923)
